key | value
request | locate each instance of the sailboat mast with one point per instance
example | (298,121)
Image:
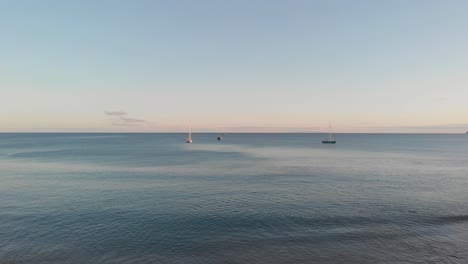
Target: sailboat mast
(330,139)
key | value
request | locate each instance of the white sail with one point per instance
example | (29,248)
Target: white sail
(189,139)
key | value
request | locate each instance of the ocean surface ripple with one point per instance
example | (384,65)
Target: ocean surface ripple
(251,198)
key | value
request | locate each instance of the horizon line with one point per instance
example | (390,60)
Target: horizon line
(207,132)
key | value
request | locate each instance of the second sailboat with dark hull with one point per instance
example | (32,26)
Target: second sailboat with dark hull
(330,139)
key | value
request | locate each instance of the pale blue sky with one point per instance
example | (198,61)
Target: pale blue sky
(366,66)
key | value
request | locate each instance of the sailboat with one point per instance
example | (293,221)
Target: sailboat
(189,139)
(330,139)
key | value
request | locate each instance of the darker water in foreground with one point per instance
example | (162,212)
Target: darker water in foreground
(252,198)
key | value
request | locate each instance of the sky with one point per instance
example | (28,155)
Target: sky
(234,66)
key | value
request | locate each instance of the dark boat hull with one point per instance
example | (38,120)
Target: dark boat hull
(328,141)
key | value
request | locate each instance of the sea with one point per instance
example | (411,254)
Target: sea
(73,198)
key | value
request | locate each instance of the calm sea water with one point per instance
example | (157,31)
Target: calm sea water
(251,198)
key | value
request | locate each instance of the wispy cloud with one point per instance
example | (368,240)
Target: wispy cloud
(435,128)
(123,124)
(115,113)
(429,126)
(131,120)
(278,129)
(119,118)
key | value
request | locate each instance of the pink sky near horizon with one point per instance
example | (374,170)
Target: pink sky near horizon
(273,66)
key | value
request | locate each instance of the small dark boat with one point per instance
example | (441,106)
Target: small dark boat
(220,137)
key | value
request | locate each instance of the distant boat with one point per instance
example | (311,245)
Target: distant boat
(330,139)
(220,137)
(189,139)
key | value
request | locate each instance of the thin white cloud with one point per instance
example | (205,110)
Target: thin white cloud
(123,124)
(278,129)
(115,113)
(119,118)
(436,127)
(131,120)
